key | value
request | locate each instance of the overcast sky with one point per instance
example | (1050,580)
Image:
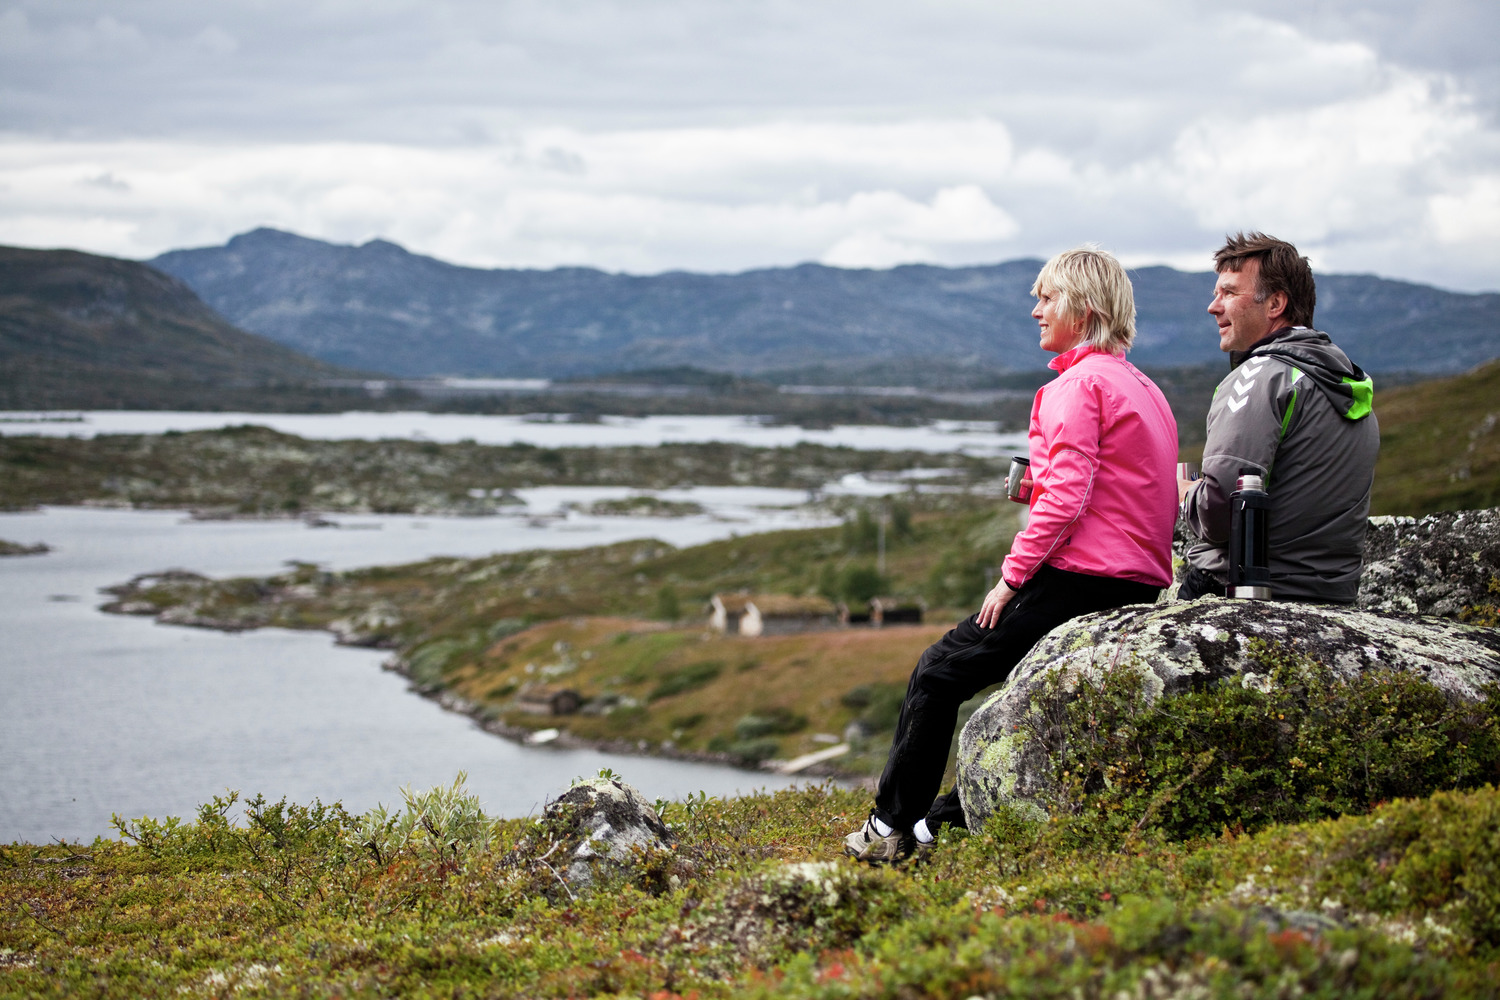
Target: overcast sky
(647,135)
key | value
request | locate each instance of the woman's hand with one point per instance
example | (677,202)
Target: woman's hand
(994,603)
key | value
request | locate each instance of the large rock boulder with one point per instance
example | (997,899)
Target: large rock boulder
(1186,645)
(1435,565)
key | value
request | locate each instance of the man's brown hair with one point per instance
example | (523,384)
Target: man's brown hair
(1282,269)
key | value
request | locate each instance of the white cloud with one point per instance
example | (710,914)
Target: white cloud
(655,134)
(703,198)
(1468,218)
(1322,171)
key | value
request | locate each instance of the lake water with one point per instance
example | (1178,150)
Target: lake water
(106,714)
(969,437)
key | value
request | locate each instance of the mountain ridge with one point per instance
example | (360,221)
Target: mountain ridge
(378,306)
(80,329)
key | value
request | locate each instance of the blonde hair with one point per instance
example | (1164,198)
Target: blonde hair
(1091,284)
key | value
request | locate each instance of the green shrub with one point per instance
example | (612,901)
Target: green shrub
(880,705)
(668,606)
(860,582)
(427,664)
(1485,612)
(751,751)
(505,627)
(1232,756)
(957,581)
(438,826)
(769,722)
(687,678)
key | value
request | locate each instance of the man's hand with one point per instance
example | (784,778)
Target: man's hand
(1184,486)
(994,603)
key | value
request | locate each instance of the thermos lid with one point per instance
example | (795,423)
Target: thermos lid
(1249,482)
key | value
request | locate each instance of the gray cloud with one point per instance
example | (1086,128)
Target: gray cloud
(648,134)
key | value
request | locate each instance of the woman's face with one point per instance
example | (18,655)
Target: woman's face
(1059,333)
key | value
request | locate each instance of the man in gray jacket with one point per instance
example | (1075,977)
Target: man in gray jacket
(1294,410)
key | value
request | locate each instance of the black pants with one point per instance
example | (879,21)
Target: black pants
(966,661)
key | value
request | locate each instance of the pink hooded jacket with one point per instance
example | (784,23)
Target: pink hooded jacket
(1103,447)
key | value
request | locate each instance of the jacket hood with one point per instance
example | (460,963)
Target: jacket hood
(1313,355)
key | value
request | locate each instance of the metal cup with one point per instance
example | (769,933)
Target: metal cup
(1020,468)
(1189,470)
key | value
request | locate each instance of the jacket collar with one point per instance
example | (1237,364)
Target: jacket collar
(1067,359)
(1237,358)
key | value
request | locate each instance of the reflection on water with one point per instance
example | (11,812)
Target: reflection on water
(104,714)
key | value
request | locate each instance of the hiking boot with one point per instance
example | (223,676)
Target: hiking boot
(867,845)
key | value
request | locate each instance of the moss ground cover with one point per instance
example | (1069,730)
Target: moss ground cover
(274,899)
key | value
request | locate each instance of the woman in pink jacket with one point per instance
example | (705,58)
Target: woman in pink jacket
(1103,446)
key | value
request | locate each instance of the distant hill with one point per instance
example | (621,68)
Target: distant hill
(377,306)
(78,330)
(1439,444)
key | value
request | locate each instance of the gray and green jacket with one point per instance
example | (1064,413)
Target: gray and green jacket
(1298,411)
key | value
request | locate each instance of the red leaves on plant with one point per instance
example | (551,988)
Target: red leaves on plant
(1288,943)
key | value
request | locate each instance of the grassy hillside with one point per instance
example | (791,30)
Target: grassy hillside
(79,330)
(1439,444)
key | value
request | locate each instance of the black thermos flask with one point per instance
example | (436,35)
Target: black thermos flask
(1249,528)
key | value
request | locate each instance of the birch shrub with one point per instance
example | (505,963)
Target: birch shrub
(1298,744)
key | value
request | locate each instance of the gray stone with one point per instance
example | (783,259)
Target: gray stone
(1434,565)
(1187,644)
(600,825)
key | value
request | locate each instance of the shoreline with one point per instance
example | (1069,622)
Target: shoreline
(483,717)
(490,723)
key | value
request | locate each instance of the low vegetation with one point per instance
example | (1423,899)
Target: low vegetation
(435,899)
(1144,882)
(258,471)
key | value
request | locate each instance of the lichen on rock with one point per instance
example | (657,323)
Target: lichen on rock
(597,828)
(1440,564)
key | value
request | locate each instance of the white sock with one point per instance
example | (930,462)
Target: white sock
(881,827)
(924,835)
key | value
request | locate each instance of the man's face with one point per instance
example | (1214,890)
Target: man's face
(1243,322)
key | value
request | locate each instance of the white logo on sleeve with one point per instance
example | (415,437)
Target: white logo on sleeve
(1243,387)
